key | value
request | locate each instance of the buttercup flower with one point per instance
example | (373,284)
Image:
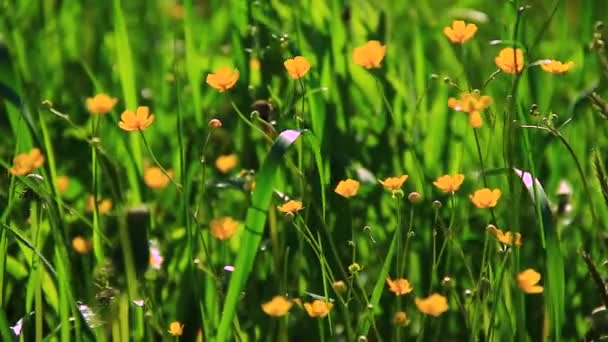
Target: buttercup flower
(485,198)
(433,305)
(278,306)
(155,178)
(137,121)
(472,103)
(82,245)
(510,61)
(369,55)
(223,228)
(226,163)
(399,286)
(103,205)
(506,238)
(297,67)
(460,32)
(449,183)
(176,328)
(27,162)
(223,78)
(291,207)
(400,318)
(393,183)
(347,188)
(63,183)
(556,67)
(101,104)
(318,308)
(528,280)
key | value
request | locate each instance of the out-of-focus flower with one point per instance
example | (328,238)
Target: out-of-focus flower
(290,207)
(400,318)
(460,32)
(399,286)
(369,55)
(27,162)
(339,286)
(101,104)
(318,308)
(176,11)
(472,103)
(556,67)
(510,61)
(506,238)
(226,163)
(176,328)
(63,183)
(278,306)
(223,78)
(485,198)
(156,259)
(297,67)
(528,280)
(224,227)
(103,205)
(215,123)
(433,305)
(449,183)
(347,188)
(82,245)
(255,64)
(393,183)
(137,121)
(155,178)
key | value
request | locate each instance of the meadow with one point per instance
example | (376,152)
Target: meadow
(322,170)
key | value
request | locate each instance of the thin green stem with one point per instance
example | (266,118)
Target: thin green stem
(177,185)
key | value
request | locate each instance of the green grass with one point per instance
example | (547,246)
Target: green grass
(542,143)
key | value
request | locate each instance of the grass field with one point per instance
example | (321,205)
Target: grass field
(322,170)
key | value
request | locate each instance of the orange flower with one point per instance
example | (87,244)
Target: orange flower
(104,206)
(291,207)
(399,286)
(63,183)
(510,61)
(369,55)
(101,104)
(400,318)
(278,306)
(393,183)
(339,286)
(318,308)
(155,178)
(347,188)
(27,162)
(506,238)
(449,183)
(460,32)
(82,245)
(433,305)
(226,163)
(223,228)
(472,103)
(556,67)
(176,328)
(485,198)
(528,280)
(137,121)
(297,67)
(176,11)
(223,78)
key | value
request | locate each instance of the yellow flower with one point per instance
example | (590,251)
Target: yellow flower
(460,32)
(399,286)
(224,227)
(291,207)
(278,306)
(433,305)
(400,318)
(226,163)
(255,64)
(297,67)
(176,328)
(506,238)
(556,67)
(81,245)
(510,61)
(347,188)
(176,11)
(63,183)
(472,103)
(485,198)
(103,205)
(155,178)
(137,121)
(528,280)
(318,308)
(393,183)
(369,55)
(223,78)
(449,183)
(27,162)
(101,104)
